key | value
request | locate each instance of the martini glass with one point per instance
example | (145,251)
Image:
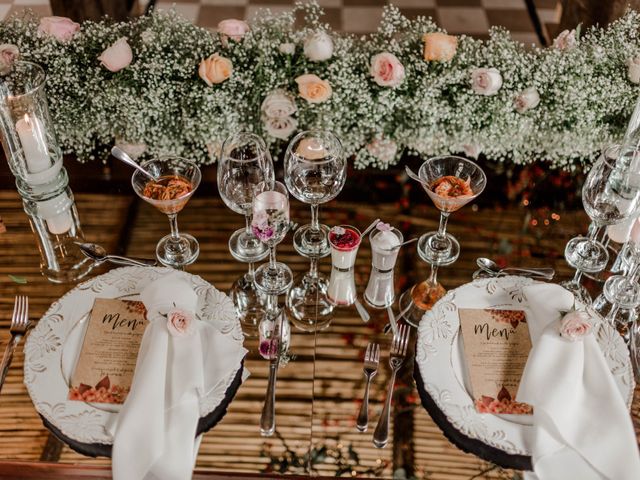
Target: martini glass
(451,182)
(178,179)
(315,172)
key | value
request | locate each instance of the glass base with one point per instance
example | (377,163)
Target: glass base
(308,305)
(273,282)
(438,252)
(586,255)
(245,247)
(69,273)
(621,291)
(312,244)
(419,299)
(578,290)
(177,253)
(249,303)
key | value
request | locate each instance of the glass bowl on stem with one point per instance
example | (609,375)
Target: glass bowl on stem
(178,179)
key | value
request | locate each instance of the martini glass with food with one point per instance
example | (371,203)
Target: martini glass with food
(170,185)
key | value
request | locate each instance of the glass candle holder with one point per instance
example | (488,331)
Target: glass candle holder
(26,130)
(54,219)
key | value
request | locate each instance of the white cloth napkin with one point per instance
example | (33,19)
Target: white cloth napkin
(155,434)
(583,429)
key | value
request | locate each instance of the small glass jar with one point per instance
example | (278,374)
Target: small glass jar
(342,287)
(26,130)
(380,291)
(344,241)
(54,219)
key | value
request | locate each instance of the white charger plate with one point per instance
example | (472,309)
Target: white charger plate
(54,344)
(442,367)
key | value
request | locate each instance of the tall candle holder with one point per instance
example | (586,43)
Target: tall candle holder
(35,159)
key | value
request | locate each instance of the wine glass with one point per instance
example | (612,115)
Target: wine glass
(245,164)
(315,172)
(451,182)
(307,300)
(270,224)
(178,178)
(610,195)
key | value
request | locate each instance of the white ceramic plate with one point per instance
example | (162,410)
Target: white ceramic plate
(54,344)
(440,358)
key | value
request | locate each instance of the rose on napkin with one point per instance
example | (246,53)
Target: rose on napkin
(179,322)
(575,325)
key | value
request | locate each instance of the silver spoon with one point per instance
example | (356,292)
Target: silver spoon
(364,315)
(99,254)
(125,158)
(413,175)
(391,249)
(492,268)
(370,227)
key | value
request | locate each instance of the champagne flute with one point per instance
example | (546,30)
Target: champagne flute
(315,172)
(178,179)
(245,164)
(270,224)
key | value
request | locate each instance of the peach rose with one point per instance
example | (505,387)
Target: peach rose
(117,56)
(232,29)
(61,28)
(313,89)
(9,53)
(280,127)
(179,322)
(386,70)
(215,69)
(575,325)
(439,46)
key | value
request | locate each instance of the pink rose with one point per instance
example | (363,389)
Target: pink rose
(179,322)
(232,29)
(384,149)
(61,28)
(386,70)
(486,81)
(526,100)
(633,69)
(566,40)
(9,53)
(472,150)
(575,325)
(117,56)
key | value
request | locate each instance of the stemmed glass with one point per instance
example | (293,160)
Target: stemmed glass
(307,300)
(315,172)
(178,178)
(270,224)
(451,182)
(245,164)
(610,195)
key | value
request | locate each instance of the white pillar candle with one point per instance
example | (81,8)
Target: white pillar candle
(34,144)
(57,213)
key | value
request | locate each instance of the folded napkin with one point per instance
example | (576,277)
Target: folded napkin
(582,426)
(179,362)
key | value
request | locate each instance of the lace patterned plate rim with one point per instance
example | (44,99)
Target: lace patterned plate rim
(443,374)
(47,343)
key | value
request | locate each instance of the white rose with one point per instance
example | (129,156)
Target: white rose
(279,103)
(280,127)
(486,81)
(383,149)
(134,150)
(526,100)
(633,72)
(472,150)
(318,47)
(287,48)
(566,40)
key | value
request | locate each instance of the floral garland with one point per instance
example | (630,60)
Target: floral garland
(159,84)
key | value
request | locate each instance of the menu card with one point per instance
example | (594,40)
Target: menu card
(107,360)
(496,348)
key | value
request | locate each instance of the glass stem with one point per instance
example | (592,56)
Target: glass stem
(272,258)
(313,267)
(250,270)
(442,229)
(173,221)
(576,277)
(247,223)
(433,277)
(315,222)
(593,232)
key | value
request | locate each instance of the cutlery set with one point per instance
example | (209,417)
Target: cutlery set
(397,355)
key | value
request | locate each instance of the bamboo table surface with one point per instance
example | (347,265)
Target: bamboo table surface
(318,393)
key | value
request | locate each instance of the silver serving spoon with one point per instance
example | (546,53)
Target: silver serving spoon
(125,158)
(413,176)
(370,227)
(493,269)
(391,249)
(99,254)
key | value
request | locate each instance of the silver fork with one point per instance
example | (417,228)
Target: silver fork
(19,326)
(371,359)
(396,358)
